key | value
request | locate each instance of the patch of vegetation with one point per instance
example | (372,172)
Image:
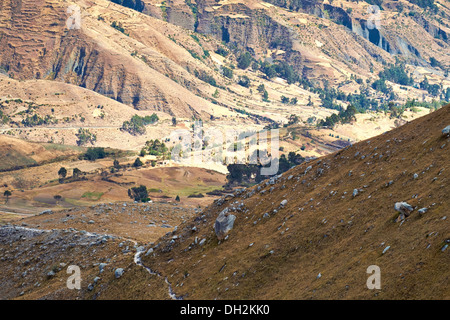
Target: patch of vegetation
(196,195)
(223,52)
(435,63)
(137,163)
(344,116)
(93,196)
(156,148)
(93,154)
(397,73)
(36,120)
(136,125)
(62,173)
(164,10)
(194,54)
(425,4)
(280,69)
(194,12)
(202,75)
(284,99)
(118,26)
(433,89)
(139,194)
(380,85)
(244,60)
(7,194)
(247,174)
(4,118)
(84,136)
(196,39)
(227,72)
(244,81)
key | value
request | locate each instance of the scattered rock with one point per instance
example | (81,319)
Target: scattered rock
(446,130)
(224,224)
(423,210)
(118,273)
(404,208)
(101,267)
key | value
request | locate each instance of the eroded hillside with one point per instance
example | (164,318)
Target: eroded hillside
(313,232)
(310,233)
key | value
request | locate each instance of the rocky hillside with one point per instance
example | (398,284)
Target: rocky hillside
(38,45)
(162,55)
(94,64)
(102,241)
(340,31)
(312,232)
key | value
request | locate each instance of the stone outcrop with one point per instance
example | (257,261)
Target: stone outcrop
(224,224)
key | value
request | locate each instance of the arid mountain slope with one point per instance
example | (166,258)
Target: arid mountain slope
(338,219)
(310,233)
(38,45)
(311,35)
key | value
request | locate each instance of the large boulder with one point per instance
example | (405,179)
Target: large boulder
(224,224)
(404,208)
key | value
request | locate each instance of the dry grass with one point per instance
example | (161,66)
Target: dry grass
(341,247)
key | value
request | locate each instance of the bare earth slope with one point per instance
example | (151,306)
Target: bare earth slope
(37,45)
(310,233)
(324,229)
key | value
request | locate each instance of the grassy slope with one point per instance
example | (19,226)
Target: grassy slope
(18,153)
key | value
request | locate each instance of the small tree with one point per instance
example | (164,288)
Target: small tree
(62,173)
(76,173)
(137,163)
(84,136)
(284,99)
(174,121)
(293,119)
(244,81)
(261,88)
(265,96)
(177,198)
(7,194)
(244,60)
(57,198)
(139,193)
(116,164)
